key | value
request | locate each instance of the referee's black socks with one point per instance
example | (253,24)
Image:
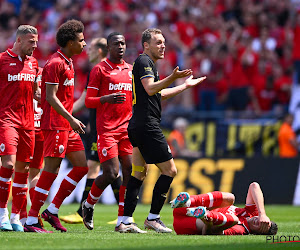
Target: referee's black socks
(160,191)
(131,196)
(88,186)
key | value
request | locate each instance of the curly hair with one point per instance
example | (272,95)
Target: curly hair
(68,31)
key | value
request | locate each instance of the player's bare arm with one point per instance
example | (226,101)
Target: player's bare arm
(152,87)
(255,196)
(79,103)
(37,94)
(52,99)
(188,83)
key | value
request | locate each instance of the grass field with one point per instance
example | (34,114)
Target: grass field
(104,237)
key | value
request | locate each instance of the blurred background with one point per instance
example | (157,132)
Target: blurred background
(227,128)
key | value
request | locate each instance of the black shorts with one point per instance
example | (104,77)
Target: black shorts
(92,153)
(151,143)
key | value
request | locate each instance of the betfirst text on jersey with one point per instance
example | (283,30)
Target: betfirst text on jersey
(21,77)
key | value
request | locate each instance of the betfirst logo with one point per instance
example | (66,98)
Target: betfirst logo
(21,77)
(69,82)
(120,86)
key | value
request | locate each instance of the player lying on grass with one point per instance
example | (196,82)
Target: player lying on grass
(214,213)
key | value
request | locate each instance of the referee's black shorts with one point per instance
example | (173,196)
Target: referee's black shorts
(92,152)
(151,143)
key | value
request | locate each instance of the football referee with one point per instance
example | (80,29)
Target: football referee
(149,144)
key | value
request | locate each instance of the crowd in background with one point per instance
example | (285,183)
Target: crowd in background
(246,48)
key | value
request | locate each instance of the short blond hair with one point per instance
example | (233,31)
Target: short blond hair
(26,29)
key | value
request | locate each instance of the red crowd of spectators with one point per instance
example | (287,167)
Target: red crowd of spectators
(246,48)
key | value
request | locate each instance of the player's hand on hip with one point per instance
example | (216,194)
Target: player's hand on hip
(77,126)
(181,73)
(190,82)
(116,98)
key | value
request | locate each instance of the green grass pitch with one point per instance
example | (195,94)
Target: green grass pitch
(104,237)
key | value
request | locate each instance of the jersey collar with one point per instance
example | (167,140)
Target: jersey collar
(12,54)
(61,54)
(144,54)
(112,65)
(246,226)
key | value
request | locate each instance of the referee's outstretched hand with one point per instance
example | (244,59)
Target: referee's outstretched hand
(190,82)
(181,73)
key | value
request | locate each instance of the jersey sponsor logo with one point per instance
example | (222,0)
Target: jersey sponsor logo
(148,69)
(2,147)
(39,78)
(94,146)
(104,152)
(61,148)
(21,77)
(37,124)
(69,82)
(12,64)
(120,86)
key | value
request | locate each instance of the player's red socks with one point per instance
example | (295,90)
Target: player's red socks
(68,184)
(219,219)
(121,200)
(23,212)
(41,192)
(5,183)
(31,194)
(94,195)
(209,200)
(19,191)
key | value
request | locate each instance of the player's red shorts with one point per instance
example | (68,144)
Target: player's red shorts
(38,155)
(182,223)
(112,145)
(17,141)
(58,143)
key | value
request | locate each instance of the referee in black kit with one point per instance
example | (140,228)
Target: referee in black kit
(149,144)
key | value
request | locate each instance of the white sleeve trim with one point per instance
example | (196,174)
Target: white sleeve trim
(53,83)
(92,88)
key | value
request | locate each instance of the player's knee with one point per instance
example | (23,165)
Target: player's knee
(173,172)
(228,198)
(170,172)
(231,198)
(111,176)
